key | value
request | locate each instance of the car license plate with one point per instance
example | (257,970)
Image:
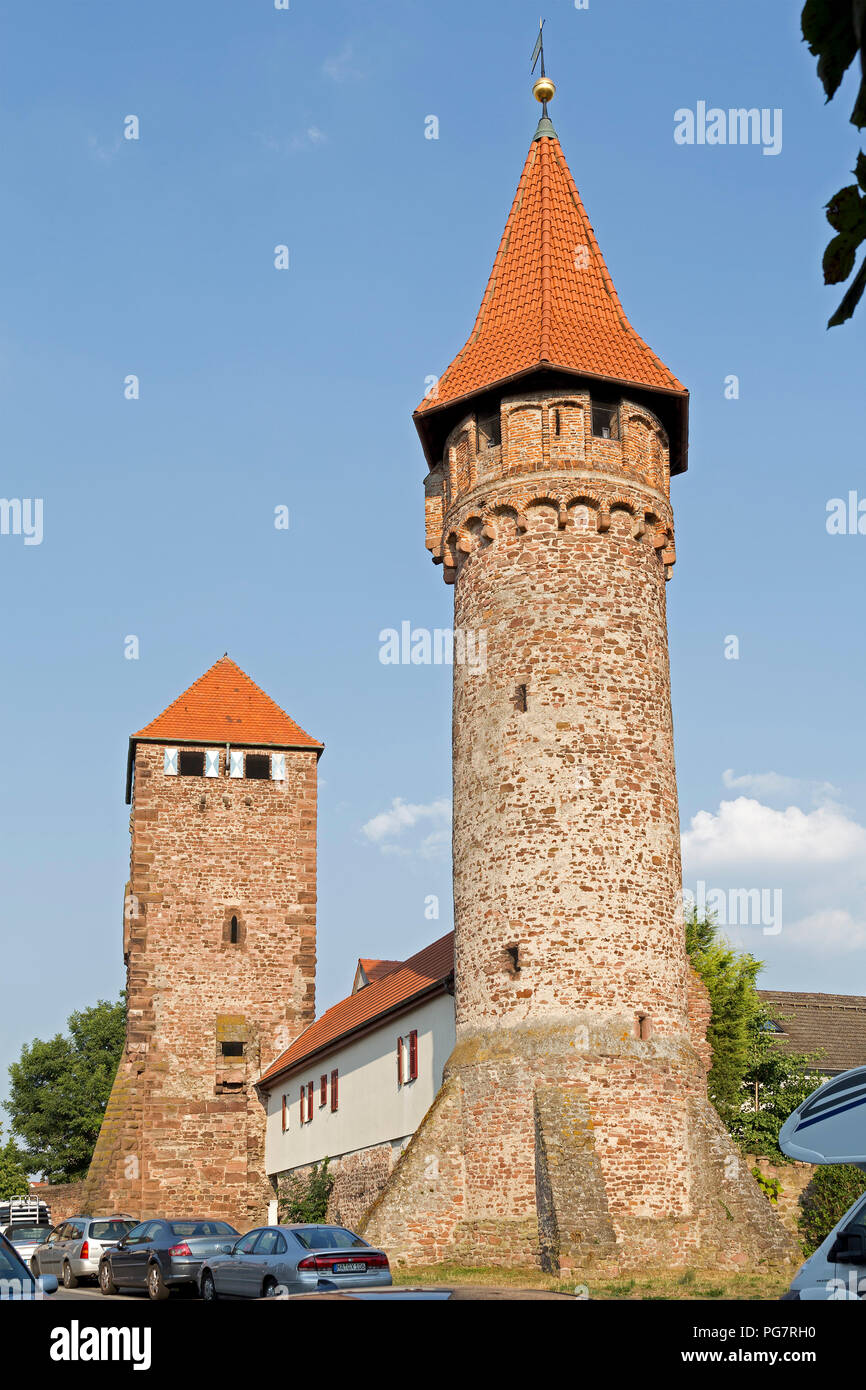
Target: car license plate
(350,1267)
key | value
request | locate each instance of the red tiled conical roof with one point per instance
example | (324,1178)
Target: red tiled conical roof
(225,706)
(549,302)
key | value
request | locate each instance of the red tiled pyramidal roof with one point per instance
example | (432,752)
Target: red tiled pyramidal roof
(418,975)
(549,301)
(225,706)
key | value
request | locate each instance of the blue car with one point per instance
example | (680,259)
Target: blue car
(158,1256)
(16,1280)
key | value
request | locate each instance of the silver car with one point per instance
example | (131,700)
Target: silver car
(73,1250)
(276,1261)
(25,1238)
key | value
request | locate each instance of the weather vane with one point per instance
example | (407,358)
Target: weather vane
(543,89)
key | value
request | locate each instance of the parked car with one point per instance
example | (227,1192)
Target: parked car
(16,1280)
(161,1255)
(73,1250)
(26,1238)
(829,1127)
(837,1269)
(24,1211)
(273,1260)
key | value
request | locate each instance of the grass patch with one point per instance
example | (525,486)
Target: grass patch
(689,1284)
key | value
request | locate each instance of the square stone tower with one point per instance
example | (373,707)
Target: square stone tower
(573,1128)
(219,941)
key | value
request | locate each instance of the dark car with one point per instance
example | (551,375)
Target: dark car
(161,1255)
(16,1281)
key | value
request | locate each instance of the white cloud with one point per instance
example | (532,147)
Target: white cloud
(341,66)
(775,784)
(831,929)
(402,816)
(746,832)
(309,139)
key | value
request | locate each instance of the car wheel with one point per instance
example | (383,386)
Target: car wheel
(208,1287)
(157,1288)
(271,1288)
(69,1279)
(106,1283)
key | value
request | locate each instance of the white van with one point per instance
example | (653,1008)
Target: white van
(830,1127)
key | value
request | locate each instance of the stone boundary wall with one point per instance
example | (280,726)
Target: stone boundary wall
(64,1199)
(794,1179)
(359,1178)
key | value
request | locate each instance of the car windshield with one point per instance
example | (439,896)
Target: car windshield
(110,1230)
(201,1228)
(28,1233)
(328,1238)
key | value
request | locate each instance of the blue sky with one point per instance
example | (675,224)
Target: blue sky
(260,387)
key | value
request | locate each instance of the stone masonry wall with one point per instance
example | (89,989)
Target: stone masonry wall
(185,1129)
(573,1128)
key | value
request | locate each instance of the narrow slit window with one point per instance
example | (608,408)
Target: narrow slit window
(258,766)
(513,954)
(520,699)
(191,764)
(234,931)
(557,423)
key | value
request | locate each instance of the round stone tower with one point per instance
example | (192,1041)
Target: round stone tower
(573,1126)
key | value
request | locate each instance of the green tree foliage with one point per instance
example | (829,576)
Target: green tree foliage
(13,1172)
(775,1082)
(833,1188)
(306,1199)
(835,31)
(730,980)
(745,1052)
(59,1090)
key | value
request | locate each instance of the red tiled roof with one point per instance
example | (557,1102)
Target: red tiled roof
(378,969)
(415,976)
(225,706)
(550,300)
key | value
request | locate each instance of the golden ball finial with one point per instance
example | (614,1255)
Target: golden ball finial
(543,89)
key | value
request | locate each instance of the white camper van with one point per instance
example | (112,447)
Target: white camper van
(830,1127)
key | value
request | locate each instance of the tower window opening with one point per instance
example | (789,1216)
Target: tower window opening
(513,954)
(605,421)
(232,1049)
(233,931)
(490,432)
(258,766)
(520,699)
(644,1027)
(191,764)
(557,422)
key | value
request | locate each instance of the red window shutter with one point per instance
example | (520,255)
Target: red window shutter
(309,1101)
(413,1054)
(334,1101)
(399,1061)
(323,1090)
(285,1114)
(303,1116)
